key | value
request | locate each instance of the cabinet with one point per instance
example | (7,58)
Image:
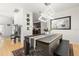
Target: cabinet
(37,28)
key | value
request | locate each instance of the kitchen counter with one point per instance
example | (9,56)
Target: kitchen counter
(46,38)
(45,43)
(41,36)
(50,38)
(48,44)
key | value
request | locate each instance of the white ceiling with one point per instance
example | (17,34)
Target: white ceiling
(8,8)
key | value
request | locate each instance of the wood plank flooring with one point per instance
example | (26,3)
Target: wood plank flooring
(8,47)
(75,49)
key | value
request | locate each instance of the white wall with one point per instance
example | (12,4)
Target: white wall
(20,19)
(73,34)
(4,20)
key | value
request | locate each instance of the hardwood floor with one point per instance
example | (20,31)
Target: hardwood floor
(75,49)
(8,46)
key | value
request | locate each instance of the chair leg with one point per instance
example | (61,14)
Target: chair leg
(14,40)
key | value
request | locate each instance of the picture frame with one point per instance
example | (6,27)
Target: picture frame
(28,23)
(27,28)
(27,19)
(61,23)
(28,15)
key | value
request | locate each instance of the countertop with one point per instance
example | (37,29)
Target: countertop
(47,38)
(50,38)
(41,36)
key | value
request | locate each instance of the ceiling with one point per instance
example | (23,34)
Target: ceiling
(8,8)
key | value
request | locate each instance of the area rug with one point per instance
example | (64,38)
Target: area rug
(18,52)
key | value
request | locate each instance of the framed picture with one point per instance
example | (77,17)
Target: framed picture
(61,23)
(27,28)
(28,23)
(28,15)
(27,19)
